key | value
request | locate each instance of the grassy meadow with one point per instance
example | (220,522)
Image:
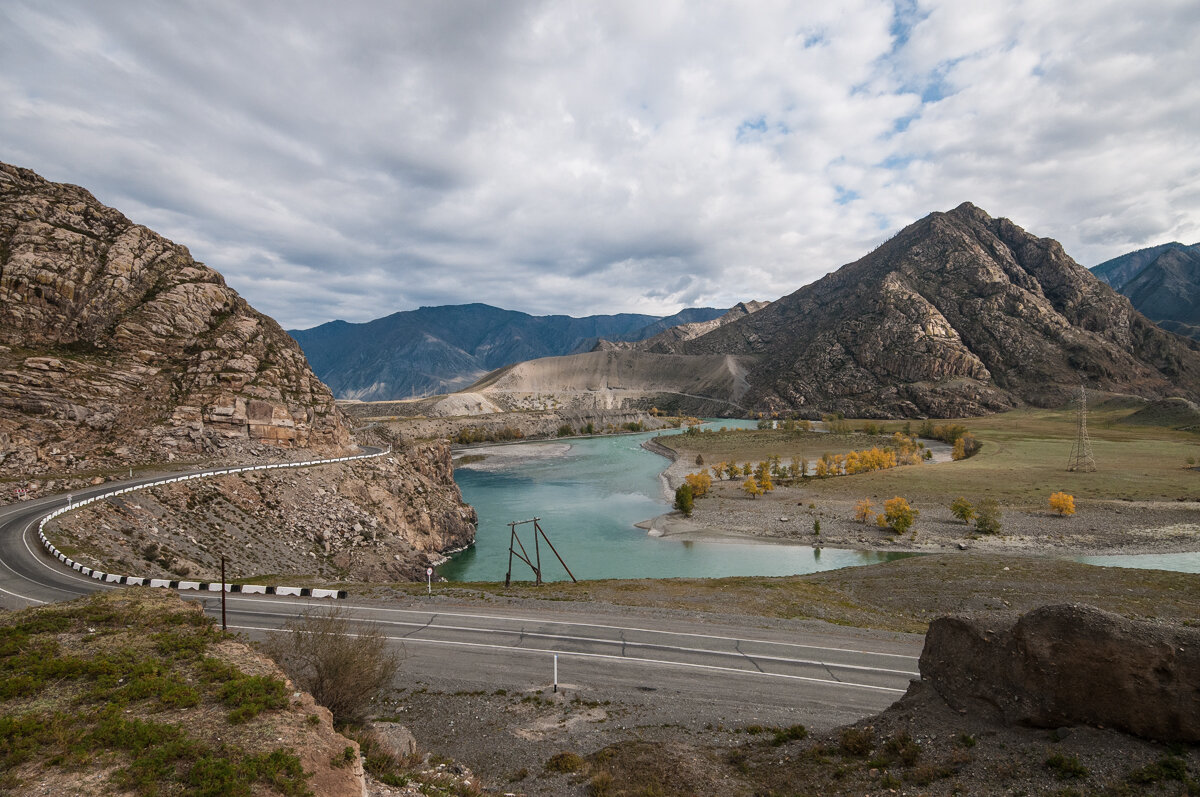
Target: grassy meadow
(1023,458)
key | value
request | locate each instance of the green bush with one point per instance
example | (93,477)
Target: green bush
(684,500)
(1066,767)
(987,516)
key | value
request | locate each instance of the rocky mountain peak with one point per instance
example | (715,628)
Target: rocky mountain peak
(958,313)
(117,346)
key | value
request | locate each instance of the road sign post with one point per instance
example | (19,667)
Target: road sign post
(429,580)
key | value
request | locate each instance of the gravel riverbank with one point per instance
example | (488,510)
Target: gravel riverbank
(790,515)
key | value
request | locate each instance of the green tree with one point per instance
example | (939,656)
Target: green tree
(961,508)
(683,499)
(987,516)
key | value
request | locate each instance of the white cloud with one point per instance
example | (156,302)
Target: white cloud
(599,157)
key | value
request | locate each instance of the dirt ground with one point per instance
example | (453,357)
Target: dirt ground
(629,743)
(542,744)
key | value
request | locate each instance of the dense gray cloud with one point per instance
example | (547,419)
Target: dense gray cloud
(351,161)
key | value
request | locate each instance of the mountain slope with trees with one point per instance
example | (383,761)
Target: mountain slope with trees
(958,314)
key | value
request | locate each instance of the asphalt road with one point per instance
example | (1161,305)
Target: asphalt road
(775,674)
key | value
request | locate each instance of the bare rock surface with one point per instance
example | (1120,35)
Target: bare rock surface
(116,347)
(1070,665)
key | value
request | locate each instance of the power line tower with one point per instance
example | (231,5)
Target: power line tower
(1081,452)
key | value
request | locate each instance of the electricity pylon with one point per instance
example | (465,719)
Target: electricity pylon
(1081,452)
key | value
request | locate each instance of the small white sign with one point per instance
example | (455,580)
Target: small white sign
(429,571)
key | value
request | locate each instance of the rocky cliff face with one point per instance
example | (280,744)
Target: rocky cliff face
(958,314)
(117,347)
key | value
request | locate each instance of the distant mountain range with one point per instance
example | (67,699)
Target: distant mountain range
(442,349)
(1162,282)
(958,314)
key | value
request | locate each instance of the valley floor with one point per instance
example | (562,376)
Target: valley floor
(1144,497)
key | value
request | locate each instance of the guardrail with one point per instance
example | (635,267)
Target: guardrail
(203,586)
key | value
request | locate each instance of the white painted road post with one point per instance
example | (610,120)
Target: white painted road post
(556,673)
(429,580)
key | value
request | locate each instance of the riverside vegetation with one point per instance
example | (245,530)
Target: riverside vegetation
(1007,473)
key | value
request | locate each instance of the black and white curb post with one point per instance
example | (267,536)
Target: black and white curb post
(202,586)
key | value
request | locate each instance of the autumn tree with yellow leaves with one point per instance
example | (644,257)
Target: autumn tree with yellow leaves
(1063,503)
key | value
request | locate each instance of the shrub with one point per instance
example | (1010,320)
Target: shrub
(344,664)
(856,741)
(565,430)
(1063,503)
(899,515)
(684,499)
(1066,767)
(987,516)
(785,735)
(961,508)
(565,762)
(903,747)
(864,511)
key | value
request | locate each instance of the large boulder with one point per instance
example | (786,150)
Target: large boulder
(1070,665)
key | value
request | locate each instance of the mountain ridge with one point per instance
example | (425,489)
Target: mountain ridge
(1163,283)
(957,314)
(1119,270)
(443,348)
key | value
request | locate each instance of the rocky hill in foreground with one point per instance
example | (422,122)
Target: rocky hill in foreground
(117,347)
(958,314)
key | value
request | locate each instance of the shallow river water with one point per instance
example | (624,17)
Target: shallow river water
(589,493)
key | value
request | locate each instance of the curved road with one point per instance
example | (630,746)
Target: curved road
(780,674)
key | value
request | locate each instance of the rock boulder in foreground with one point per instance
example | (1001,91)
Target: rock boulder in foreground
(1070,665)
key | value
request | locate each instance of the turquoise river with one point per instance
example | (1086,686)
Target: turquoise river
(589,493)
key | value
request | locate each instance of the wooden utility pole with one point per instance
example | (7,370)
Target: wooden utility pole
(535,563)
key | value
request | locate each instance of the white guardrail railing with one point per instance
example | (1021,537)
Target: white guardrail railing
(203,586)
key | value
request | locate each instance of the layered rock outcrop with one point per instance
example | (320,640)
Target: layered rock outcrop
(1069,665)
(958,314)
(117,347)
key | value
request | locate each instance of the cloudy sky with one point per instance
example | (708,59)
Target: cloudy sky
(350,160)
